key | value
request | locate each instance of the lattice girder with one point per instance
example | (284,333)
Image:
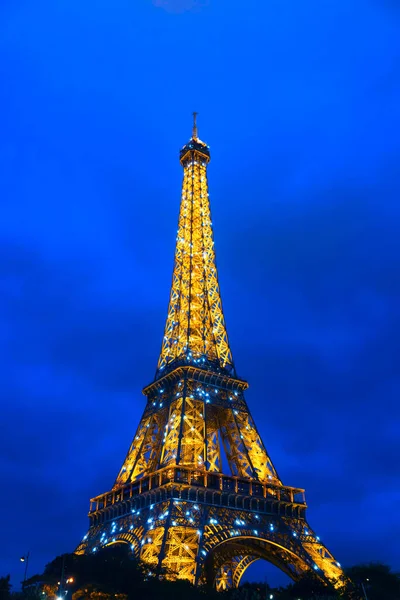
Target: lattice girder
(213,450)
(185,422)
(241,564)
(150,449)
(257,455)
(151,546)
(172,502)
(192,540)
(125,473)
(231,572)
(172,428)
(195,329)
(181,553)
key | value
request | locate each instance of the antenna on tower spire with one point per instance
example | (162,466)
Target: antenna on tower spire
(194,130)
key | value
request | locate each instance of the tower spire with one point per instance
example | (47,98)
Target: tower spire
(195,331)
(194,130)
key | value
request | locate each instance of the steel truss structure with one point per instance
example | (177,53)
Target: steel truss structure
(172,502)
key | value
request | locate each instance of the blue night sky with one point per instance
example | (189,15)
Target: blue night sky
(299,102)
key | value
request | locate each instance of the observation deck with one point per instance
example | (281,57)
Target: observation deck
(204,487)
(194,145)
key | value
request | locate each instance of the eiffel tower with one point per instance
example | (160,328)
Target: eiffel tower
(197,496)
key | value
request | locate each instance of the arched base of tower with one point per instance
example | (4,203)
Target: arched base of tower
(227,563)
(184,538)
(231,572)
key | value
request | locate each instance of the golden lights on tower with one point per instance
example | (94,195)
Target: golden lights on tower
(195,329)
(173,501)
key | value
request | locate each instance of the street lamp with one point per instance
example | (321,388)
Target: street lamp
(363,589)
(25,559)
(64,581)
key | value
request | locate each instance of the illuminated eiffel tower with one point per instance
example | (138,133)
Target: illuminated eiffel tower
(173,501)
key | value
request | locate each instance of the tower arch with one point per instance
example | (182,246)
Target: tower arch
(234,555)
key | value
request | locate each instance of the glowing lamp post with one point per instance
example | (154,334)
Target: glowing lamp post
(25,559)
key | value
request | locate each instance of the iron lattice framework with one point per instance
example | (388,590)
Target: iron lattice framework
(172,501)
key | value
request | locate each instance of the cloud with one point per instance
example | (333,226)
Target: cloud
(58,444)
(304,187)
(180,6)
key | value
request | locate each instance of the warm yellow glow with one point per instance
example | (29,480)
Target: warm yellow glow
(135,451)
(171,435)
(171,501)
(181,552)
(195,323)
(326,562)
(152,545)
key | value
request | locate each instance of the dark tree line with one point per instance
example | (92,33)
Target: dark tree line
(113,574)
